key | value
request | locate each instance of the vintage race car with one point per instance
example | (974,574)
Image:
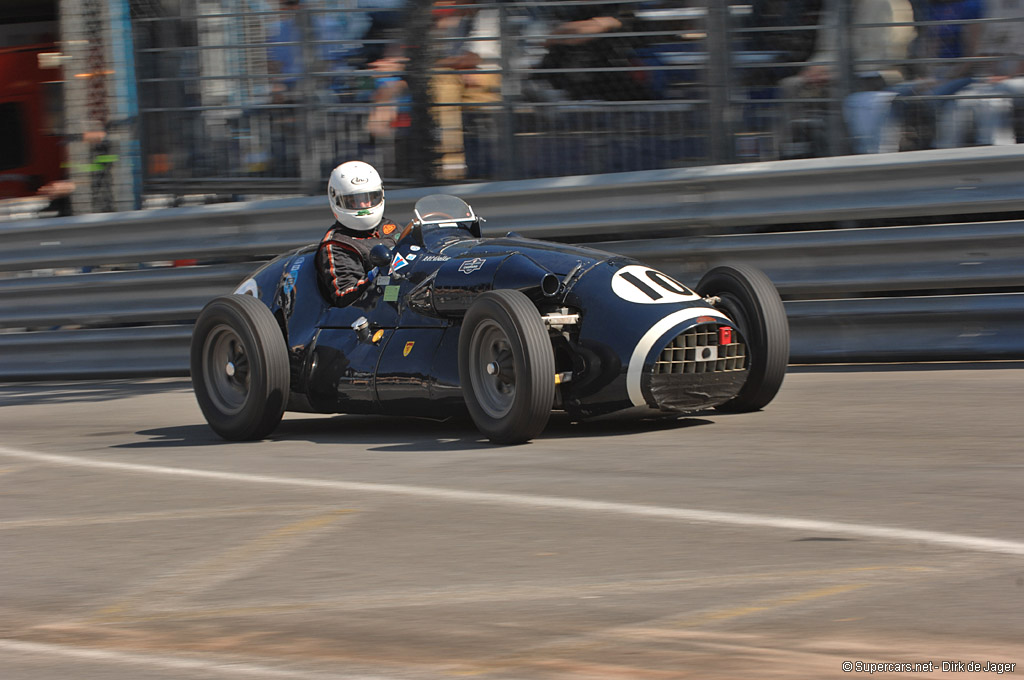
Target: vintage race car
(507,328)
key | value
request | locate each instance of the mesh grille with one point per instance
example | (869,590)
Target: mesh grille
(697,351)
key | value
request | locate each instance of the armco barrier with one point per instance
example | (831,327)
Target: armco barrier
(144,296)
(969,257)
(943,292)
(936,328)
(651,204)
(965,258)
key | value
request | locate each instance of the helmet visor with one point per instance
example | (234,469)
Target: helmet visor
(364,200)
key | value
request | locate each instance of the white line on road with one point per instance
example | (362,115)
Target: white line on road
(958,541)
(172,663)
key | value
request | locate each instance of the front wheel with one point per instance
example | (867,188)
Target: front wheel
(240,370)
(506,367)
(749,298)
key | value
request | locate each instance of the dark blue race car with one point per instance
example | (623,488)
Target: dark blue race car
(507,328)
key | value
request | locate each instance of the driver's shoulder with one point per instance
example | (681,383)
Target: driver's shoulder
(388,229)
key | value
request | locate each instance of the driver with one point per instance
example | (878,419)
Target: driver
(356,196)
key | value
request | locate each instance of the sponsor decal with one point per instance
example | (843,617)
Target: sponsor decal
(408,348)
(377,336)
(389,227)
(362,213)
(360,180)
(470,266)
(414,248)
(391,294)
(643,285)
(398,262)
(411,257)
(288,285)
(435,258)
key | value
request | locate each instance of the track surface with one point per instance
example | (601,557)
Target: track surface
(869,516)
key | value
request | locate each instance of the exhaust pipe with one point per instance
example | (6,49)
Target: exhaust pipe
(457,285)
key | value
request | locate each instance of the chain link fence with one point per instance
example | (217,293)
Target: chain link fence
(265,96)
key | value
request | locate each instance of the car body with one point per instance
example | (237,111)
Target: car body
(455,321)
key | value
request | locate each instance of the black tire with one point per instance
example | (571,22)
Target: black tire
(749,298)
(506,367)
(240,370)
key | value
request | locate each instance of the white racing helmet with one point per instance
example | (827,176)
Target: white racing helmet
(356,195)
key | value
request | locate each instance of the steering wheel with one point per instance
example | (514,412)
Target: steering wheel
(436,216)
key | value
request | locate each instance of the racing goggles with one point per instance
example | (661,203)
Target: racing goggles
(363,200)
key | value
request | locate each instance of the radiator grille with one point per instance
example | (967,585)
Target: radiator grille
(697,351)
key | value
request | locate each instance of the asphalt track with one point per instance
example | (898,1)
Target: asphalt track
(870,516)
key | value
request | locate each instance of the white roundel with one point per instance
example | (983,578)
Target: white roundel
(646,286)
(248,287)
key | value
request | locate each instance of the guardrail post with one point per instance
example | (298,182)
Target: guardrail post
(718,84)
(308,135)
(508,160)
(842,14)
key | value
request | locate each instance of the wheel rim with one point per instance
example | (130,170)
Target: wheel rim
(227,369)
(492,369)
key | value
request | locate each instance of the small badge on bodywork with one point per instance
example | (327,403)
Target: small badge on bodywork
(408,348)
(470,266)
(286,291)
(398,262)
(391,293)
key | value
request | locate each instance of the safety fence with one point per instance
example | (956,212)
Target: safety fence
(949,291)
(260,96)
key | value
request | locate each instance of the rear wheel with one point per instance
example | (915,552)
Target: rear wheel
(749,298)
(240,370)
(506,367)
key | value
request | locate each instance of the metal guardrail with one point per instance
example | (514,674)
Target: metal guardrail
(949,291)
(139,352)
(803,265)
(145,296)
(937,328)
(965,257)
(655,203)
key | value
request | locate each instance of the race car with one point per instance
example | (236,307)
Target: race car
(508,329)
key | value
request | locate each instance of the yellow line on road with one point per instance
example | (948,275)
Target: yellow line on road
(170,588)
(423,597)
(767,605)
(169,515)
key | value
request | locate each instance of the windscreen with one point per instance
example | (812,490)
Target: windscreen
(439,208)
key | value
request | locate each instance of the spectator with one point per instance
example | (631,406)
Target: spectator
(786,28)
(292,29)
(469,39)
(990,101)
(580,40)
(877,47)
(373,26)
(390,118)
(903,124)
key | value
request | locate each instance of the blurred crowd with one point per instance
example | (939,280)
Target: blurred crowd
(803,78)
(920,73)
